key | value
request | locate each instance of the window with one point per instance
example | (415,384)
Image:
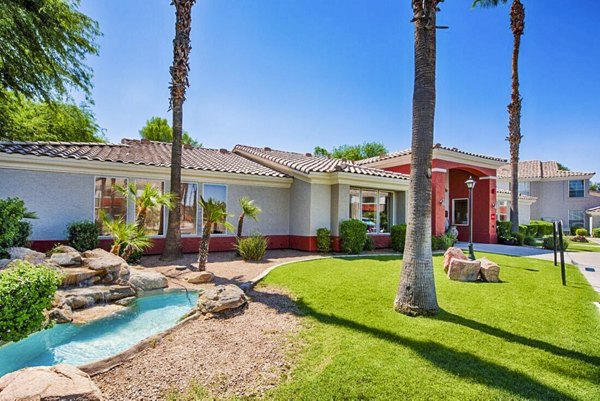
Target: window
(189,208)
(372,207)
(524,188)
(155,216)
(576,218)
(503,211)
(576,189)
(460,212)
(107,200)
(218,193)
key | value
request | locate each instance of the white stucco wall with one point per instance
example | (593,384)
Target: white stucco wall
(300,208)
(340,206)
(275,205)
(320,207)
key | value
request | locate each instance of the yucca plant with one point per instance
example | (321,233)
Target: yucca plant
(149,198)
(252,248)
(213,212)
(127,238)
(250,209)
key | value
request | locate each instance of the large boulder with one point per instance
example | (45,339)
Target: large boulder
(114,266)
(451,253)
(200,277)
(147,280)
(490,271)
(77,298)
(221,298)
(66,258)
(464,270)
(64,314)
(28,255)
(49,383)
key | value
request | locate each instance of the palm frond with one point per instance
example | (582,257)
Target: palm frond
(488,3)
(249,208)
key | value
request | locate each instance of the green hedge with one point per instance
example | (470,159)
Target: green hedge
(442,242)
(548,242)
(398,237)
(503,228)
(83,235)
(596,232)
(13,231)
(26,291)
(353,235)
(543,227)
(323,240)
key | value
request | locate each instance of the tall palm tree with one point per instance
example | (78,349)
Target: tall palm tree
(416,292)
(250,209)
(179,83)
(517,26)
(213,212)
(149,198)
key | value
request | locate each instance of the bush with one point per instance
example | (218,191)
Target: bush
(398,234)
(573,229)
(542,227)
(83,235)
(26,291)
(581,232)
(323,240)
(596,232)
(12,211)
(512,239)
(528,230)
(23,234)
(503,228)
(252,248)
(530,240)
(548,242)
(369,244)
(442,242)
(353,235)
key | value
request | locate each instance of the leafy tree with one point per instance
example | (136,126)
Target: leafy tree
(158,129)
(179,83)
(250,209)
(213,212)
(562,167)
(353,152)
(416,292)
(595,186)
(319,151)
(44,46)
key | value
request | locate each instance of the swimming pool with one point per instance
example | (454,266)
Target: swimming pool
(82,344)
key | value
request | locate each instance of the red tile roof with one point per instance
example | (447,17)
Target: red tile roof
(508,192)
(537,169)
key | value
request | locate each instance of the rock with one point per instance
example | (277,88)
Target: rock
(49,383)
(220,298)
(125,301)
(200,277)
(66,258)
(80,276)
(452,252)
(28,255)
(78,298)
(464,270)
(64,249)
(490,271)
(4,263)
(147,280)
(115,267)
(64,314)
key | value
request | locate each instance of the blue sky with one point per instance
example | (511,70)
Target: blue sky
(295,74)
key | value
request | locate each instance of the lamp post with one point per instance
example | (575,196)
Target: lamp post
(471,184)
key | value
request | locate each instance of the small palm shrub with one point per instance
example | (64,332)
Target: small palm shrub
(26,291)
(548,242)
(596,232)
(353,235)
(323,240)
(127,238)
(398,236)
(252,248)
(83,235)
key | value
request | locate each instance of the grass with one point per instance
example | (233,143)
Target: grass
(527,338)
(584,247)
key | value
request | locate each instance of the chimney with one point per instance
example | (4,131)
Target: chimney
(308,154)
(187,146)
(267,149)
(223,151)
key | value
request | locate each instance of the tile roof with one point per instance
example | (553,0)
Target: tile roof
(143,152)
(436,146)
(307,163)
(508,192)
(537,169)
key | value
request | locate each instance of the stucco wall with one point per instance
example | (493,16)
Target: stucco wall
(300,208)
(320,207)
(275,205)
(57,198)
(340,206)
(401,207)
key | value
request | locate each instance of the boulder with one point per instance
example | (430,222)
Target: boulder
(80,276)
(4,263)
(64,314)
(464,270)
(114,266)
(200,277)
(49,383)
(147,280)
(125,301)
(28,255)
(450,253)
(490,271)
(64,249)
(221,298)
(66,258)
(78,298)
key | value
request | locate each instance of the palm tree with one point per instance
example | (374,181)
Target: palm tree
(213,212)
(179,83)
(127,238)
(248,209)
(416,292)
(517,26)
(149,198)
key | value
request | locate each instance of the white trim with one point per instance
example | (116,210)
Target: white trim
(196,234)
(488,178)
(439,170)
(454,209)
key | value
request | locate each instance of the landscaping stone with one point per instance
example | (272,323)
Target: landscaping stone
(64,314)
(28,255)
(66,258)
(147,280)
(4,263)
(490,271)
(49,383)
(115,267)
(80,276)
(200,277)
(78,298)
(64,249)
(125,301)
(221,298)
(464,270)
(453,252)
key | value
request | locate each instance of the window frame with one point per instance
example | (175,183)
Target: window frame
(454,210)
(226,233)
(197,232)
(500,204)
(127,180)
(391,221)
(578,211)
(165,211)
(525,193)
(582,190)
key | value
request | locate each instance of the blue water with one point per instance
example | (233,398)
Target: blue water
(81,344)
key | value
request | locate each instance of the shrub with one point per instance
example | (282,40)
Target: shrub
(542,227)
(573,229)
(530,240)
(12,211)
(369,244)
(596,232)
(581,232)
(512,239)
(528,230)
(503,228)
(323,240)
(548,242)
(83,235)
(252,248)
(23,234)
(442,242)
(353,235)
(25,292)
(398,234)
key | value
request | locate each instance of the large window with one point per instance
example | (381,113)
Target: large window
(189,208)
(108,201)
(219,194)
(460,212)
(155,216)
(503,211)
(372,207)
(576,218)
(576,189)
(524,188)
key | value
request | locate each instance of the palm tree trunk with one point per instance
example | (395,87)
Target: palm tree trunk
(240,226)
(140,220)
(204,243)
(179,83)
(416,292)
(517,25)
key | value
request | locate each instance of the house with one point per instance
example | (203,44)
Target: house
(298,193)
(561,194)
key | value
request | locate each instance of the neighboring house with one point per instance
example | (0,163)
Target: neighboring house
(594,216)
(561,194)
(298,193)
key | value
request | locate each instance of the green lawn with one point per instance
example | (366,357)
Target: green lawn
(584,247)
(528,338)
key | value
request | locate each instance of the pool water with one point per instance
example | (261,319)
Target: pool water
(82,344)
